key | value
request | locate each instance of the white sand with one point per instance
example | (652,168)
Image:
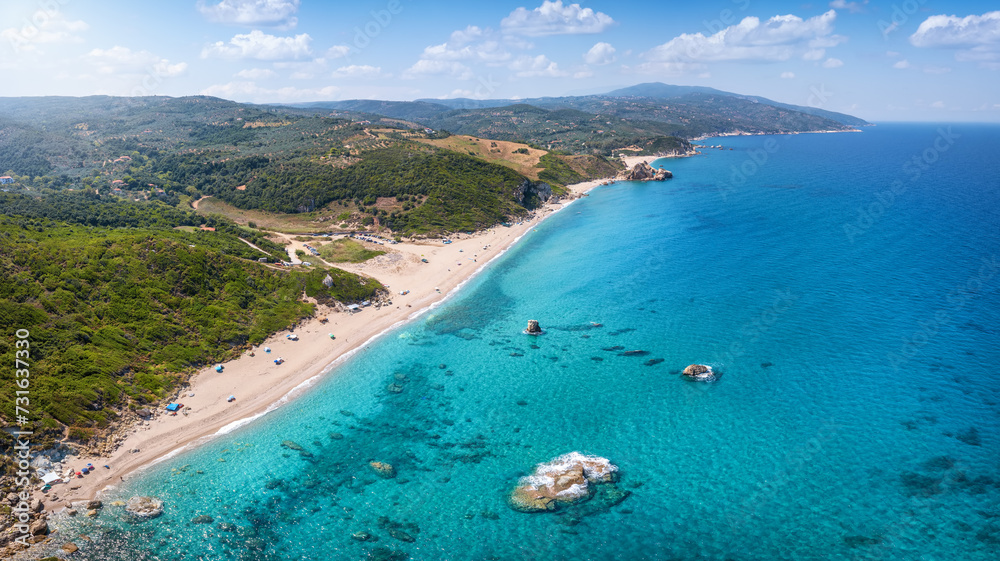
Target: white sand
(258,383)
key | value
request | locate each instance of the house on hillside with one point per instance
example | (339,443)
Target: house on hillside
(6,179)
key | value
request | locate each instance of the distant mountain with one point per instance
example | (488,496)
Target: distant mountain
(659,90)
(410,110)
(654,108)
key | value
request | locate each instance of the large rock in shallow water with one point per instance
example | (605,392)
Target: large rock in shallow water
(699,372)
(643,172)
(565,480)
(144,507)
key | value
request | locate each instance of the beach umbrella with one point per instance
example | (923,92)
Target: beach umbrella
(267,349)
(218,368)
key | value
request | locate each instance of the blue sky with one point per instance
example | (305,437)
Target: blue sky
(891,60)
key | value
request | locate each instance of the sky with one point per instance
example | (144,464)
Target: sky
(899,60)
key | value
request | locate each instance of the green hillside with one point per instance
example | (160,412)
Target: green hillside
(119,316)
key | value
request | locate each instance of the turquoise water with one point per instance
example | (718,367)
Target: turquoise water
(849,296)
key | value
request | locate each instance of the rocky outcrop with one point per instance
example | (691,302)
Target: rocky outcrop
(699,372)
(384,470)
(144,507)
(565,480)
(643,172)
(533,328)
(532,195)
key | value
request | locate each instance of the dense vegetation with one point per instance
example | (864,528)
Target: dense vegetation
(119,316)
(254,158)
(88,209)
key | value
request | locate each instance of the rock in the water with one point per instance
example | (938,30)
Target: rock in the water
(70,547)
(564,480)
(383,469)
(699,372)
(92,513)
(94,504)
(394,388)
(202,519)
(291,445)
(401,535)
(144,507)
(533,328)
(364,537)
(643,172)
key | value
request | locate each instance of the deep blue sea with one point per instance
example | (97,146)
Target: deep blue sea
(846,287)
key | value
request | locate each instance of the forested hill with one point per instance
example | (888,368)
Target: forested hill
(608,122)
(361,171)
(124,300)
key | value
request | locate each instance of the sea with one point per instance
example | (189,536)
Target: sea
(844,288)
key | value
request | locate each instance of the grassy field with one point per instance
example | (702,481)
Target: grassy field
(346,250)
(307,222)
(497,151)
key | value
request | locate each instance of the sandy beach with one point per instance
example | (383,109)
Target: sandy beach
(259,385)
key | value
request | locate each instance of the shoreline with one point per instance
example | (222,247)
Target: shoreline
(744,133)
(260,386)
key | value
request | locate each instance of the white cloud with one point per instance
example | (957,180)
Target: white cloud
(358,71)
(853,7)
(952,31)
(536,66)
(833,63)
(554,18)
(466,36)
(601,53)
(978,37)
(251,92)
(256,73)
(902,64)
(489,51)
(261,46)
(425,67)
(788,75)
(45,26)
(122,60)
(936,69)
(938,105)
(777,39)
(338,51)
(252,12)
